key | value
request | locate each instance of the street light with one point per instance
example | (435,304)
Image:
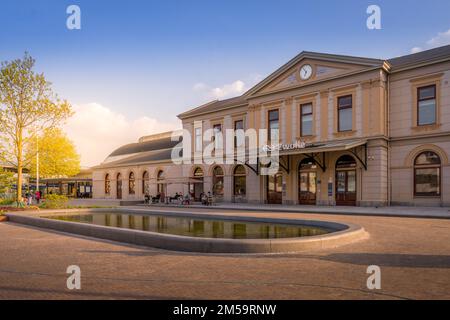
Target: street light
(37,162)
(37,158)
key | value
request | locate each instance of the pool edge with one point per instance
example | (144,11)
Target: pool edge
(351,234)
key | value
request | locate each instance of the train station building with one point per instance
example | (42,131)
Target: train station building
(353,131)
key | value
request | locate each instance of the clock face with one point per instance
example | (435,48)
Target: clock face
(306,72)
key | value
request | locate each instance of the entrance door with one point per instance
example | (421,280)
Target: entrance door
(307,187)
(275,189)
(346,181)
(119,186)
(198,190)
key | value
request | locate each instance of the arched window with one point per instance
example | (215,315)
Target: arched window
(160,177)
(218,181)
(239,183)
(346,162)
(198,172)
(145,183)
(107,184)
(427,175)
(131,184)
(307,164)
(119,186)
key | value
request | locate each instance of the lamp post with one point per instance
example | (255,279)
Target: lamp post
(37,160)
(37,163)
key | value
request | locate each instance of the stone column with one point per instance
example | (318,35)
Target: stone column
(331,113)
(283,123)
(254,188)
(207,182)
(374,181)
(359,110)
(228,188)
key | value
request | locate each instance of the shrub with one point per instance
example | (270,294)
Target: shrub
(6,202)
(54,201)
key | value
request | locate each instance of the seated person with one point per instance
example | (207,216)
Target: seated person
(204,198)
(209,199)
(187,199)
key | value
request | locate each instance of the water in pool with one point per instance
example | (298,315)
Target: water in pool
(194,227)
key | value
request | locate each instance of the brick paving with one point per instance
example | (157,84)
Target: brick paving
(414,256)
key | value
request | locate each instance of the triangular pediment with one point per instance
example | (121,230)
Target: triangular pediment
(322,67)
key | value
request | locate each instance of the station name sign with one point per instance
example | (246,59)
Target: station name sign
(286,147)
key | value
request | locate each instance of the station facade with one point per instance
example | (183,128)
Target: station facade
(372,132)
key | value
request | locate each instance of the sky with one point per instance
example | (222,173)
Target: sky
(134,65)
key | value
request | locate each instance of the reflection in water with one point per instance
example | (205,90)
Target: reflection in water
(118,221)
(145,223)
(264,232)
(131,224)
(107,220)
(240,229)
(217,229)
(186,226)
(199,228)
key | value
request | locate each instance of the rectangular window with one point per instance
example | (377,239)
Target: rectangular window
(306,121)
(217,138)
(239,141)
(198,139)
(427,182)
(426,105)
(274,124)
(345,113)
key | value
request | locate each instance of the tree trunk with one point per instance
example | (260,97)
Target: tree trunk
(19,182)
(19,167)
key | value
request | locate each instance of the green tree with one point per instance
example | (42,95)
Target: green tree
(6,181)
(57,155)
(28,105)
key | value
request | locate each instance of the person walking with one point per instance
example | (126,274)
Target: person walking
(29,199)
(38,196)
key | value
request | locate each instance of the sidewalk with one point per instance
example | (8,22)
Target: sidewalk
(407,212)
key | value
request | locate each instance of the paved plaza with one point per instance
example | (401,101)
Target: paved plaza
(413,253)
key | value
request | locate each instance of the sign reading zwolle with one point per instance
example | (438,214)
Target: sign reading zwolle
(286,147)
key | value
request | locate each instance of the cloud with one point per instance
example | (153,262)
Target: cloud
(416,49)
(230,90)
(441,39)
(97,131)
(236,88)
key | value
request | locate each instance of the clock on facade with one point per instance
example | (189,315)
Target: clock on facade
(306,72)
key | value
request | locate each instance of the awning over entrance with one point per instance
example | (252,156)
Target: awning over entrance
(326,147)
(316,152)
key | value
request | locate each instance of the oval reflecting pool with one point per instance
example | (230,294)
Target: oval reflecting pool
(195,227)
